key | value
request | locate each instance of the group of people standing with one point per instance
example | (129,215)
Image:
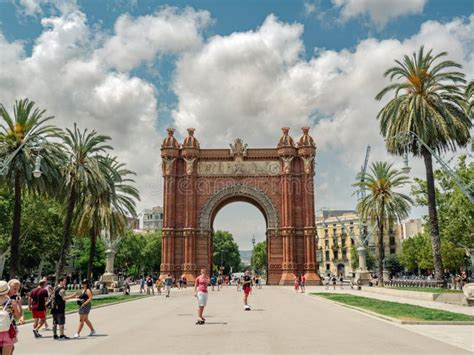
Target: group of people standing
(41,299)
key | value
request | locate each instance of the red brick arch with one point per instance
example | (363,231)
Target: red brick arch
(278,181)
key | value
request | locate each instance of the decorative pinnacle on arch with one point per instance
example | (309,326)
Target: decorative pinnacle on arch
(306,140)
(170,141)
(190,141)
(285,139)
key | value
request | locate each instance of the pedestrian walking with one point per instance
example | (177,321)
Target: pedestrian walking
(37,305)
(185,281)
(14,294)
(213,282)
(302,283)
(149,286)
(58,308)
(168,284)
(297,283)
(200,292)
(85,303)
(247,287)
(11,310)
(327,280)
(50,292)
(159,285)
(142,285)
(341,281)
(334,280)
(238,283)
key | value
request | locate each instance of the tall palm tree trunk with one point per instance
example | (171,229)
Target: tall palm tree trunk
(381,253)
(433,215)
(15,240)
(90,263)
(66,234)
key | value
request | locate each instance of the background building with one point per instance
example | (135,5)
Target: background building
(151,219)
(410,228)
(338,231)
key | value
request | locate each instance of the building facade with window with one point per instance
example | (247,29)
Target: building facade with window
(338,231)
(151,219)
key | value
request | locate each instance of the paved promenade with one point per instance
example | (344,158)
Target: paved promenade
(281,322)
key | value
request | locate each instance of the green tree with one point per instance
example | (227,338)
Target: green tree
(226,251)
(82,176)
(430,102)
(107,210)
(129,258)
(455,212)
(416,253)
(81,248)
(392,264)
(20,139)
(152,252)
(383,206)
(259,257)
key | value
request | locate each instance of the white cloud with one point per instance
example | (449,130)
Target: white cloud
(252,83)
(379,11)
(67,75)
(35,7)
(309,8)
(141,39)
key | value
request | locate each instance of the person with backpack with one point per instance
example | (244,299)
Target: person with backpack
(10,310)
(58,308)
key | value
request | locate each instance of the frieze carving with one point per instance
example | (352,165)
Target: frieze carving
(266,167)
(239,190)
(189,165)
(168,165)
(287,164)
(308,164)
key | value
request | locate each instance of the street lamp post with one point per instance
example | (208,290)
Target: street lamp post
(37,170)
(404,138)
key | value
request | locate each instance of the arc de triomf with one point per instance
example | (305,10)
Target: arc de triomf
(278,181)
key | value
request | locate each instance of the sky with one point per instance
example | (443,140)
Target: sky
(130,69)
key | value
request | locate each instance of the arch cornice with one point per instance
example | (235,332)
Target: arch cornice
(239,191)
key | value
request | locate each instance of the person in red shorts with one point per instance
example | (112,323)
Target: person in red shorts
(246,287)
(37,305)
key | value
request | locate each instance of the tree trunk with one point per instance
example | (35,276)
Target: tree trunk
(381,255)
(433,215)
(15,240)
(66,234)
(90,263)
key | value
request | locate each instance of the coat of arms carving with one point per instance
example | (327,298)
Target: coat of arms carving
(238,150)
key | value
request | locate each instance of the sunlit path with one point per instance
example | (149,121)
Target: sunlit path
(280,322)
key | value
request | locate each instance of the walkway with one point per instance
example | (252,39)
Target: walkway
(281,322)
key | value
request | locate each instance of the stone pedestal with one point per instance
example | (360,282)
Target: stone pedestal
(362,276)
(109,279)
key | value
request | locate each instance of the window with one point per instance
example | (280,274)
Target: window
(334,230)
(328,267)
(335,254)
(326,243)
(327,255)
(344,254)
(343,242)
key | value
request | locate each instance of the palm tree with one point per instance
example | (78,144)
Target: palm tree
(382,206)
(82,176)
(429,102)
(108,210)
(22,137)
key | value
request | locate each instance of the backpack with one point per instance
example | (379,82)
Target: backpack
(51,303)
(5,318)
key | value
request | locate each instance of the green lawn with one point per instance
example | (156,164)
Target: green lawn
(399,311)
(425,289)
(72,306)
